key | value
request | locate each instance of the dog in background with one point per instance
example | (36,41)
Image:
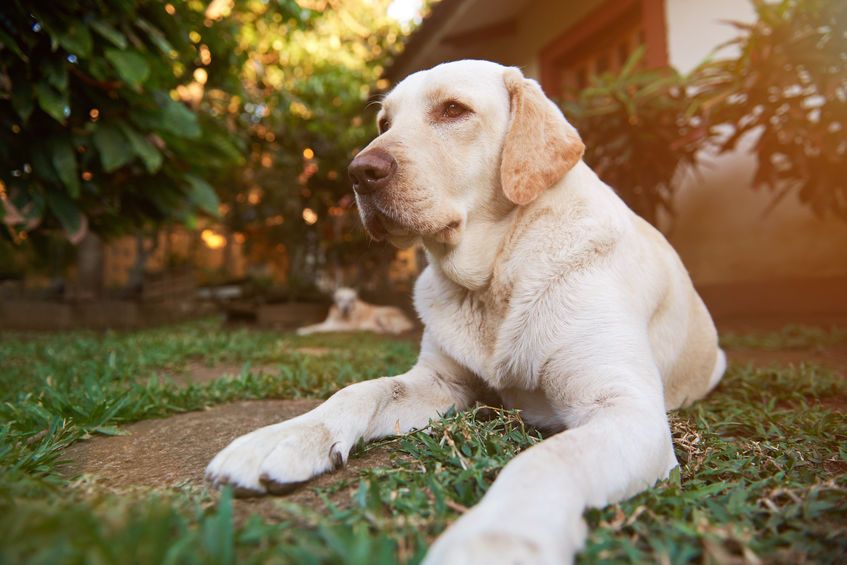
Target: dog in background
(542,287)
(349,314)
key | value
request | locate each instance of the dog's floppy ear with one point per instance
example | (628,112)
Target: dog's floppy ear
(541,146)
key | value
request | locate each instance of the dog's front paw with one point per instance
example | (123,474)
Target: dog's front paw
(489,549)
(494,547)
(488,535)
(276,459)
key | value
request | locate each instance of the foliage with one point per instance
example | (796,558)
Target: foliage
(763,467)
(638,130)
(126,113)
(308,82)
(92,133)
(787,90)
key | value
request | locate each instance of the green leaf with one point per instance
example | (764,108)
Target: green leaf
(42,161)
(176,118)
(218,530)
(111,431)
(77,39)
(191,221)
(115,150)
(633,60)
(202,194)
(72,220)
(737,498)
(156,36)
(169,198)
(22,100)
(56,73)
(110,33)
(227,147)
(64,160)
(6,41)
(52,102)
(99,68)
(143,148)
(131,66)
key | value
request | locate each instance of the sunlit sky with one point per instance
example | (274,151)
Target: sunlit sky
(405,11)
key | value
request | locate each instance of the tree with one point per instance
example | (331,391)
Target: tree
(308,78)
(93,134)
(126,114)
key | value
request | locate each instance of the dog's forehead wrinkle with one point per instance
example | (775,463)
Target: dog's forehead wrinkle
(440,94)
(461,89)
(466,81)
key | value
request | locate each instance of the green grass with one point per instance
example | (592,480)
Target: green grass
(763,460)
(790,337)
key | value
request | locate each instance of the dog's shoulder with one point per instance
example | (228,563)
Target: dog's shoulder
(565,231)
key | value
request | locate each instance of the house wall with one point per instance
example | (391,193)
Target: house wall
(727,232)
(538,23)
(724,230)
(695,28)
(541,22)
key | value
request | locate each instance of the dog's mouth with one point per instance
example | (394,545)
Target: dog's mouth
(378,224)
(384,217)
(401,227)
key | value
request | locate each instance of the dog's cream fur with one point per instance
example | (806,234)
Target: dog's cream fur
(350,314)
(543,287)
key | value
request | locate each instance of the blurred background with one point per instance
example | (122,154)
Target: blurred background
(165,159)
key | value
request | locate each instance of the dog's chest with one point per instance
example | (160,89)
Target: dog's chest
(465,324)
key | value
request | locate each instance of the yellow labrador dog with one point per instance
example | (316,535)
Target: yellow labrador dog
(542,287)
(350,314)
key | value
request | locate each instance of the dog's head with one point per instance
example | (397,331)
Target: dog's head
(461,139)
(345,298)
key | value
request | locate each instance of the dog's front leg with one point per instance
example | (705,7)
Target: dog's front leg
(277,458)
(618,445)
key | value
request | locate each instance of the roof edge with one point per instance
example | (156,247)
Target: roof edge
(438,16)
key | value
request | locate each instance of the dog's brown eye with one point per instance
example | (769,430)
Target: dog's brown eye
(453,110)
(383,125)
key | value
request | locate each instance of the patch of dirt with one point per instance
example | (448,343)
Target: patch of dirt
(198,373)
(173,452)
(313,350)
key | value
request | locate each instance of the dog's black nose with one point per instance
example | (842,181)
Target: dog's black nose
(371,171)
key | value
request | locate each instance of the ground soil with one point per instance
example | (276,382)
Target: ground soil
(172,453)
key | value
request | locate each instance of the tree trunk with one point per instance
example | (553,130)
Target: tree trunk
(142,253)
(90,265)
